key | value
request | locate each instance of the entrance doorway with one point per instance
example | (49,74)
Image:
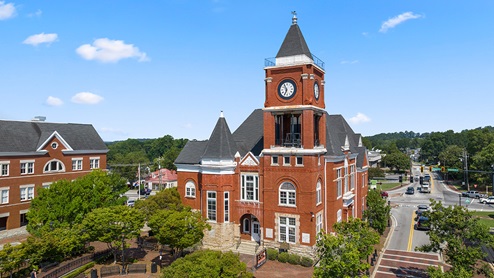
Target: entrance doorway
(256,231)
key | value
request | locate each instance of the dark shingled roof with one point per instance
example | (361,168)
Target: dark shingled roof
(192,152)
(24,136)
(250,134)
(294,44)
(338,129)
(221,143)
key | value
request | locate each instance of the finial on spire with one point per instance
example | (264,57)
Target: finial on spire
(294,18)
(221,114)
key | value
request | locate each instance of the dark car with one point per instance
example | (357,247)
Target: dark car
(410,190)
(422,223)
(384,194)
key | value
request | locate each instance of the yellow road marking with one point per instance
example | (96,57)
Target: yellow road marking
(410,237)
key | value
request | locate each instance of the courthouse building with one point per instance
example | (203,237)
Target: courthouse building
(34,154)
(287,172)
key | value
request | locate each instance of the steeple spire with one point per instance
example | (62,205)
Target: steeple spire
(294,18)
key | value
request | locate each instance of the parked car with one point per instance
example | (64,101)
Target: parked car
(131,203)
(487,200)
(384,194)
(423,207)
(410,190)
(471,194)
(422,223)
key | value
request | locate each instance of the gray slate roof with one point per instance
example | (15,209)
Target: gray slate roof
(220,144)
(249,138)
(294,44)
(27,136)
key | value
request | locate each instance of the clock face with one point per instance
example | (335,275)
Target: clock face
(316,90)
(287,89)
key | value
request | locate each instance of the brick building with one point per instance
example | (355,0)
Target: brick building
(34,154)
(287,172)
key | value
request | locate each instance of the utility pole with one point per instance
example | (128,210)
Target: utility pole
(159,172)
(139,181)
(465,154)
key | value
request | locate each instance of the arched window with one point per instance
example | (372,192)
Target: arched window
(318,193)
(287,194)
(54,166)
(190,189)
(246,225)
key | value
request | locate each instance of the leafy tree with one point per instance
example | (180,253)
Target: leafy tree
(344,253)
(168,199)
(482,161)
(397,160)
(207,263)
(11,258)
(450,156)
(377,212)
(66,202)
(375,172)
(114,225)
(178,229)
(457,234)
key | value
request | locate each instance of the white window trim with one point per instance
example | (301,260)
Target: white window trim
(339,183)
(296,161)
(78,161)
(284,161)
(27,162)
(54,171)
(287,191)
(26,187)
(339,215)
(243,187)
(46,184)
(7,163)
(318,193)
(215,205)
(8,195)
(288,226)
(190,185)
(319,222)
(96,158)
(272,162)
(226,207)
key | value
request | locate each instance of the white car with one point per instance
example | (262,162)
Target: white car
(131,203)
(487,200)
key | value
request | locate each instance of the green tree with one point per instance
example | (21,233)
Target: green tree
(375,172)
(66,202)
(397,160)
(168,199)
(450,156)
(377,212)
(11,258)
(344,253)
(457,234)
(114,225)
(178,229)
(207,263)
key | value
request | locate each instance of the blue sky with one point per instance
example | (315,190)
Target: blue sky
(145,69)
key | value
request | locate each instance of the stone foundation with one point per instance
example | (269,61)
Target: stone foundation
(301,250)
(220,237)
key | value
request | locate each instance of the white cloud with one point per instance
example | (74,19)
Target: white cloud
(86,98)
(6,10)
(349,62)
(35,14)
(392,22)
(40,38)
(360,118)
(53,101)
(110,51)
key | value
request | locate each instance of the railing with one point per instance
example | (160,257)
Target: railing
(271,62)
(66,268)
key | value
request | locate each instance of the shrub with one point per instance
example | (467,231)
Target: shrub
(79,270)
(283,257)
(306,261)
(272,254)
(293,259)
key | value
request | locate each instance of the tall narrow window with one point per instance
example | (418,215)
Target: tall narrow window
(250,187)
(211,205)
(346,180)
(318,193)
(27,192)
(339,182)
(4,195)
(318,223)
(317,119)
(227,206)
(352,176)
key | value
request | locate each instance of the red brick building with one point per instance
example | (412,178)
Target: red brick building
(34,154)
(287,172)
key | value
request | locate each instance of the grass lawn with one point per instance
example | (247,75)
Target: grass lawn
(486,217)
(388,185)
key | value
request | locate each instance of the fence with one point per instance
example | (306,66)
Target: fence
(71,265)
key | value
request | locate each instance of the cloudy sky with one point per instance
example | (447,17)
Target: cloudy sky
(145,69)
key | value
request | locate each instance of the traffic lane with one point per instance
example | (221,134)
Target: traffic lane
(400,237)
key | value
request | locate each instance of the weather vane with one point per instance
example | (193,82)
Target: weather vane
(294,19)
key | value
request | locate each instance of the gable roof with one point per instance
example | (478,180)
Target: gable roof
(338,131)
(294,44)
(29,136)
(250,134)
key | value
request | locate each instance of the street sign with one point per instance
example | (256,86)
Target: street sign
(453,170)
(436,169)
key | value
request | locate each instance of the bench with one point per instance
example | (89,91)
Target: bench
(109,270)
(136,268)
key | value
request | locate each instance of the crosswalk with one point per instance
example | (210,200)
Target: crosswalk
(396,263)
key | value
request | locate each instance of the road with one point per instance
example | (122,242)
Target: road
(400,258)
